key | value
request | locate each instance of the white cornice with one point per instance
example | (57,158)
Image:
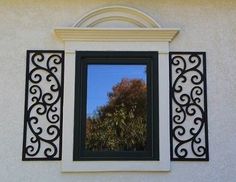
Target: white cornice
(117,34)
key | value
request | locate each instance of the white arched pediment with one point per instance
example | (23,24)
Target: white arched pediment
(117,16)
(116,24)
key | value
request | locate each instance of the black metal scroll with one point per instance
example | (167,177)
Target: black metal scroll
(188,106)
(43,105)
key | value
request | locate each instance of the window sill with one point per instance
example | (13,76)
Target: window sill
(115,166)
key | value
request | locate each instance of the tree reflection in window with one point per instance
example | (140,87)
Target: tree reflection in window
(119,124)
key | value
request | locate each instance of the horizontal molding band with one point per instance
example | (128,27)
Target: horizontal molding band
(117,35)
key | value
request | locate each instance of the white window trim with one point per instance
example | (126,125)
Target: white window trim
(110,39)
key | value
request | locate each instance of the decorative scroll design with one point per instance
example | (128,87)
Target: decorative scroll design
(43,105)
(188,106)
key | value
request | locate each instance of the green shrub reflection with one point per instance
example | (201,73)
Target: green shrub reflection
(121,124)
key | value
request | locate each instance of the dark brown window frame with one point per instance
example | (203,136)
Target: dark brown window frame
(84,58)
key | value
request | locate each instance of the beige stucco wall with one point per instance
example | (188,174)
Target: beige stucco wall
(206,25)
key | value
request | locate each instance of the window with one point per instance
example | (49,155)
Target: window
(116,106)
(100,30)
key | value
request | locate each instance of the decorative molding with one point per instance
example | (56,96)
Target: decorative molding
(43,105)
(143,29)
(188,106)
(68,165)
(117,35)
(114,13)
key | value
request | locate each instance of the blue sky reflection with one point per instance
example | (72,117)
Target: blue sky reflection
(101,79)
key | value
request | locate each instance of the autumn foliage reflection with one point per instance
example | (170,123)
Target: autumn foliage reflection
(121,124)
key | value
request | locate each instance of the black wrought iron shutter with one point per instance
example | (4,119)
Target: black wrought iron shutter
(188,106)
(42,138)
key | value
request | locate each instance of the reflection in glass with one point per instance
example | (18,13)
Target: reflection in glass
(116,108)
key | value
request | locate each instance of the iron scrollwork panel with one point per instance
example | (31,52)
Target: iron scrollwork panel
(42,138)
(188,106)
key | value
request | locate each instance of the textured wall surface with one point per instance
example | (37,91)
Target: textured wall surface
(206,25)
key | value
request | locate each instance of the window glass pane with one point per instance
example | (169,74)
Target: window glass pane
(116,116)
